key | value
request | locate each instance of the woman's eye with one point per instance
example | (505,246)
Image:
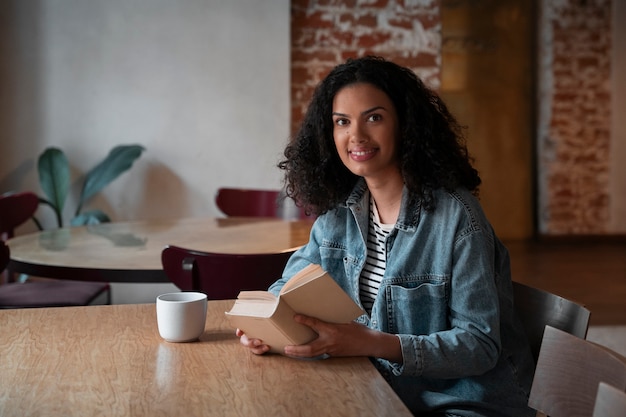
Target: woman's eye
(341,122)
(374,118)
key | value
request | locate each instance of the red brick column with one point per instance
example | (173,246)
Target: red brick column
(325,33)
(574,152)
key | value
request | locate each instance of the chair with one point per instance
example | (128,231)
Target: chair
(537,308)
(568,372)
(221,276)
(4,255)
(245,202)
(15,209)
(610,402)
(248,202)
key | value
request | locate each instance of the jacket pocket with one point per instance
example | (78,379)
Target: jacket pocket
(418,307)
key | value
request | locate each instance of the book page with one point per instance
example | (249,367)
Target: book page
(303,276)
(253,308)
(254,303)
(257,295)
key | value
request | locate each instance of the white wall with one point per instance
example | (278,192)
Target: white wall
(202,84)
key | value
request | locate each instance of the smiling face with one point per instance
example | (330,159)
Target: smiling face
(365,130)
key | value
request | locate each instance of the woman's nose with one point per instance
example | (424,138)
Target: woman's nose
(357,134)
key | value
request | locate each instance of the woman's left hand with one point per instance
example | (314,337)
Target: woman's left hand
(349,339)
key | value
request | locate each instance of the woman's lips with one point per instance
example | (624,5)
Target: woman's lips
(362,154)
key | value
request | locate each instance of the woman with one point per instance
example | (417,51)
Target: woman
(382,162)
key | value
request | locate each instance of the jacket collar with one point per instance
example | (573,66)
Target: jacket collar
(410,209)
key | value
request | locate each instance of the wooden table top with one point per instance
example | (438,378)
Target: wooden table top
(111,361)
(131,251)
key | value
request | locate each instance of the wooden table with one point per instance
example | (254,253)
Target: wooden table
(131,251)
(111,361)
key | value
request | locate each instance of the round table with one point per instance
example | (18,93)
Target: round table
(131,251)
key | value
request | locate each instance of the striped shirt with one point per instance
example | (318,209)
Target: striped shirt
(376,261)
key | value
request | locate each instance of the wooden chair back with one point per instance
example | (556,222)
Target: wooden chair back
(248,202)
(568,373)
(537,308)
(221,276)
(610,402)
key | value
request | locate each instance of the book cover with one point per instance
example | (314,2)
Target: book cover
(312,291)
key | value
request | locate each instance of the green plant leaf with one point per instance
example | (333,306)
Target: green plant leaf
(54,178)
(44,202)
(120,159)
(90,217)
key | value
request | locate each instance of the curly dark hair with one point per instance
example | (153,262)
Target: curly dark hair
(432,148)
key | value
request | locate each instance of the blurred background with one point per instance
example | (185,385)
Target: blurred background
(213,89)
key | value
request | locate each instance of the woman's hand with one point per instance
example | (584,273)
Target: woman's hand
(350,339)
(256,346)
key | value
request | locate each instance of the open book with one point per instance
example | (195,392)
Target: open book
(312,292)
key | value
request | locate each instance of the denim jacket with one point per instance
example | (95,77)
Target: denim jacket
(446,294)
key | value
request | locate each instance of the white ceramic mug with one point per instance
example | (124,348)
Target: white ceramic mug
(181,316)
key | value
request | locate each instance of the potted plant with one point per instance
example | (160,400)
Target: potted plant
(54,179)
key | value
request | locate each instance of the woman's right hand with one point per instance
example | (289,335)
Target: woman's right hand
(256,346)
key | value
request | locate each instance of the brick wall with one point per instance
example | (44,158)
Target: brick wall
(327,32)
(575,118)
(574,77)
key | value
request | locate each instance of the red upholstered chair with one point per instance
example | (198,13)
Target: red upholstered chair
(221,276)
(248,202)
(245,202)
(15,209)
(4,255)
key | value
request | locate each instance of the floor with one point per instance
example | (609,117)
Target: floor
(592,273)
(613,337)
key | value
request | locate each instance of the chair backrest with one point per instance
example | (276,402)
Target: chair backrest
(248,202)
(221,276)
(537,308)
(568,373)
(610,402)
(4,255)
(15,209)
